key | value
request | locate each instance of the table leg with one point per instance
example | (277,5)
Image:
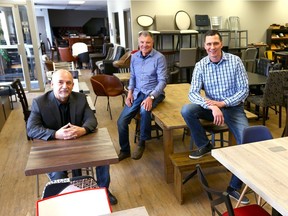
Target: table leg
(168,149)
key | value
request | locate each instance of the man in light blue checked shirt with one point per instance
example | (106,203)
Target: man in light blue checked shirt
(225,82)
(148,78)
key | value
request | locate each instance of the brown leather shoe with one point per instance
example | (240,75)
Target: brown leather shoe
(138,152)
(123,156)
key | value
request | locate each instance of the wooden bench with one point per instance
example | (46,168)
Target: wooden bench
(182,163)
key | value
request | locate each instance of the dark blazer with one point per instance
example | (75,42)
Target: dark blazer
(45,118)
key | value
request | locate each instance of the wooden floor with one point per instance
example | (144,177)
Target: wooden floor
(134,183)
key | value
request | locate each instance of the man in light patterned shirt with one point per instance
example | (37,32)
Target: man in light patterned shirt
(225,82)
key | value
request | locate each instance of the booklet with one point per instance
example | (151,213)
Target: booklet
(81,202)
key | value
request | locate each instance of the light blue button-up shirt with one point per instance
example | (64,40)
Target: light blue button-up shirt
(148,74)
(225,81)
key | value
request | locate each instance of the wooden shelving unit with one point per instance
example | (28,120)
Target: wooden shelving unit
(277,39)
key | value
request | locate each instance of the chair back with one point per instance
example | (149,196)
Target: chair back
(118,53)
(263,66)
(22,98)
(187,57)
(105,48)
(215,197)
(249,58)
(66,54)
(97,86)
(202,21)
(216,22)
(256,133)
(234,23)
(78,48)
(56,187)
(50,47)
(274,87)
(106,85)
(123,64)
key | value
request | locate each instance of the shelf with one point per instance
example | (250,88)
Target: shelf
(277,39)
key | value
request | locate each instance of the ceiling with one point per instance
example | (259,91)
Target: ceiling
(95,5)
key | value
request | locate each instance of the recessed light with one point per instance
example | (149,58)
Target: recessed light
(76,2)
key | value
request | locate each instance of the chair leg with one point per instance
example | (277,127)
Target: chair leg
(241,196)
(109,108)
(137,130)
(37,186)
(95,100)
(264,115)
(280,116)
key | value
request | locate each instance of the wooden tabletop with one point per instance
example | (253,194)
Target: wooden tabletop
(262,166)
(91,150)
(123,77)
(169,111)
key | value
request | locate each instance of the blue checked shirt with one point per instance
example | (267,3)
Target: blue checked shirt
(148,75)
(225,81)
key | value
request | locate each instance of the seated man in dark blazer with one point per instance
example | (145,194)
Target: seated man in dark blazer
(63,114)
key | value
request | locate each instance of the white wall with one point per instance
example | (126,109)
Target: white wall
(255,16)
(114,7)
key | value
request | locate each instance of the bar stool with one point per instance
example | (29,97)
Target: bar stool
(154,127)
(212,130)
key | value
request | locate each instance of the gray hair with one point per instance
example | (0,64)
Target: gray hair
(145,34)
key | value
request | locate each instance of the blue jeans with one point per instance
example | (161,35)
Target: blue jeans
(234,117)
(145,124)
(102,174)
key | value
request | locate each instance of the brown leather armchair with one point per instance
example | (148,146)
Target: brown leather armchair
(107,86)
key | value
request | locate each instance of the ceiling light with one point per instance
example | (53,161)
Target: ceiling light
(76,2)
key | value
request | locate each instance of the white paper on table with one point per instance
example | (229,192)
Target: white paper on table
(82,202)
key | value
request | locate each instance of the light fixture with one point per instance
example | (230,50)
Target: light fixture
(76,2)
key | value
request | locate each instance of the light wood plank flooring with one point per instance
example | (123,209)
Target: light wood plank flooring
(134,183)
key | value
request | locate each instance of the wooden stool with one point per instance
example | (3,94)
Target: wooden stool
(212,130)
(154,127)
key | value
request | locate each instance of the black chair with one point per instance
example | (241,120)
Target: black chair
(254,134)
(217,197)
(107,66)
(7,90)
(272,94)
(94,57)
(22,98)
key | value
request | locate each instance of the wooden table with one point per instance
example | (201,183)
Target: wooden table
(123,77)
(168,116)
(262,166)
(91,150)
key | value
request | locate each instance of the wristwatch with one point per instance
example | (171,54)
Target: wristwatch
(152,97)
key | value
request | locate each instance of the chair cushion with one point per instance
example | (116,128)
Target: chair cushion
(256,99)
(250,210)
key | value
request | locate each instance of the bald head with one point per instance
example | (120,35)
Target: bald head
(62,84)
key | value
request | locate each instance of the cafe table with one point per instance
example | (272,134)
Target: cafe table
(91,150)
(262,166)
(168,116)
(94,149)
